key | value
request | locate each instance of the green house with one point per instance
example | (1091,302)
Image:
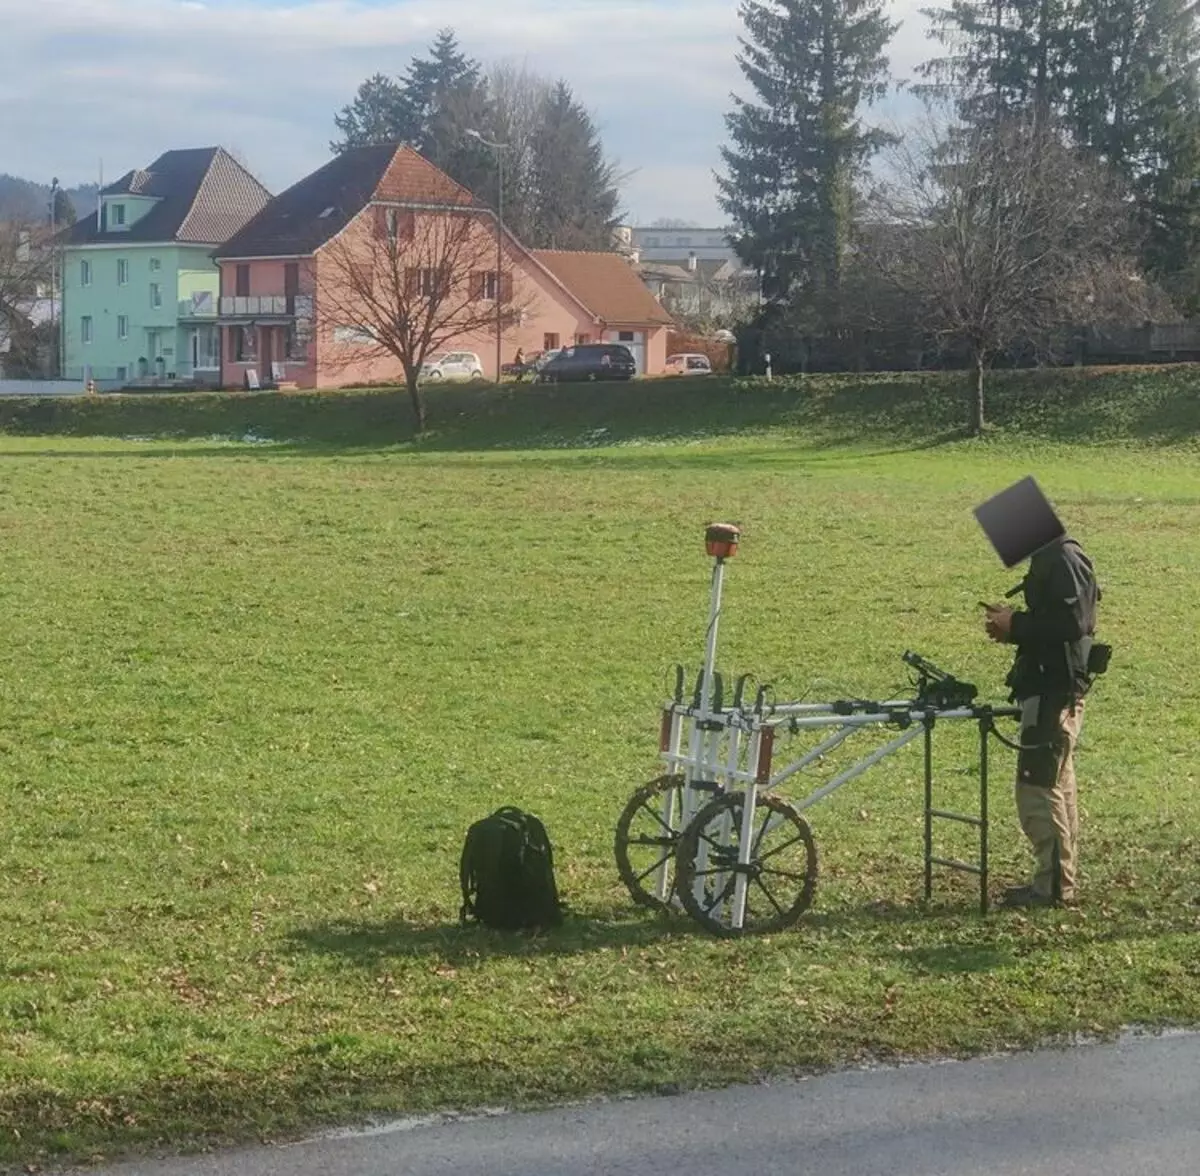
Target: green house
(140,289)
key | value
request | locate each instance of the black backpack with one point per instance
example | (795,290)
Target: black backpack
(507,873)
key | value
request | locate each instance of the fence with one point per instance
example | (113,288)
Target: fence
(897,349)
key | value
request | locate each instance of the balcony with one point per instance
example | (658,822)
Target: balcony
(256,306)
(202,305)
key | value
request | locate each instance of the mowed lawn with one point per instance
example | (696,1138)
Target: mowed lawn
(253,695)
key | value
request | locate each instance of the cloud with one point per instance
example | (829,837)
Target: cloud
(120,81)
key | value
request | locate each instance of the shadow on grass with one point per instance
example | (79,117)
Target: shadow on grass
(365,943)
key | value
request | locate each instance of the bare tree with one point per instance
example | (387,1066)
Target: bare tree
(1003,237)
(26,260)
(405,283)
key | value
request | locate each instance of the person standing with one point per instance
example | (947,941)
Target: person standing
(1050,675)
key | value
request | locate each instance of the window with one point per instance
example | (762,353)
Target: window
(85,328)
(292,347)
(291,284)
(85,273)
(624,336)
(243,344)
(155,264)
(243,282)
(118,215)
(122,373)
(155,295)
(582,340)
(549,342)
(122,326)
(422,282)
(122,272)
(486,285)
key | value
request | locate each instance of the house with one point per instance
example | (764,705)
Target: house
(290,274)
(140,286)
(721,292)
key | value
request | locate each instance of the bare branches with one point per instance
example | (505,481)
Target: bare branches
(25,264)
(1003,237)
(404,283)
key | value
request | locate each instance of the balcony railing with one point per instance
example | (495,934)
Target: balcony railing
(199,305)
(272,304)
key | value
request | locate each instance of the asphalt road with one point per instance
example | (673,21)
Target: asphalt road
(1123,1109)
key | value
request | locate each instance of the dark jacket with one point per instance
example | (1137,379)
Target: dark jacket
(1054,636)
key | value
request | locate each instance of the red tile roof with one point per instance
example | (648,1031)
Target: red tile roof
(606,284)
(315,209)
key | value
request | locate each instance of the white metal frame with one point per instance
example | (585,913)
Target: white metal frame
(719,739)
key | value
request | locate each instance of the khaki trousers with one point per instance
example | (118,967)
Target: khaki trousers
(1046,796)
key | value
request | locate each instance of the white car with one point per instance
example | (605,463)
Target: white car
(689,365)
(452,365)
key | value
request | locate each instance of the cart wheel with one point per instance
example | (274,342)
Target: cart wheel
(780,877)
(646,840)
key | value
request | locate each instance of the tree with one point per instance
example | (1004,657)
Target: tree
(1135,100)
(559,191)
(576,190)
(797,155)
(1006,57)
(64,209)
(25,268)
(1002,236)
(407,283)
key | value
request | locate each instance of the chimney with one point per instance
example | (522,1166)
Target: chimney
(635,257)
(691,262)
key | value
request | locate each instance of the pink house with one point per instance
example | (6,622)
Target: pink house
(296,278)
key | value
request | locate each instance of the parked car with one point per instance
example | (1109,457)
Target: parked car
(689,365)
(452,365)
(589,361)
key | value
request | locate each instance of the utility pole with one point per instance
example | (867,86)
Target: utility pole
(499,149)
(55,316)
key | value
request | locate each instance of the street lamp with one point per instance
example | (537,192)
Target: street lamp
(499,149)
(56,326)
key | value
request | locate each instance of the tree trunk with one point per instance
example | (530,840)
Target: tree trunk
(976,420)
(418,401)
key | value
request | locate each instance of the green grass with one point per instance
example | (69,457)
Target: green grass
(253,693)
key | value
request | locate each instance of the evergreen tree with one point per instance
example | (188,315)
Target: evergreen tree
(796,156)
(558,188)
(64,209)
(1007,57)
(380,113)
(1135,101)
(576,193)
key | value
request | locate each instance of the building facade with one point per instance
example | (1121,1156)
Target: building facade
(140,288)
(286,310)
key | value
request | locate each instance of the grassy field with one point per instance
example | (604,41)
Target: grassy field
(266,658)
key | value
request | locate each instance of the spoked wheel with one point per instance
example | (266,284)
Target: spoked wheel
(780,877)
(647,838)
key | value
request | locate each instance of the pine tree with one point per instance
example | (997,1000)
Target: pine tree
(797,153)
(1007,57)
(576,194)
(1135,101)
(380,113)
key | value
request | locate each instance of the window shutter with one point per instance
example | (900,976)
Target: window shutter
(411,279)
(478,285)
(506,287)
(407,227)
(380,223)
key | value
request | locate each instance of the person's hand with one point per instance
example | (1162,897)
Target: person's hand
(999,622)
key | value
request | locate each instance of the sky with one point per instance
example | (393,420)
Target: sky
(91,87)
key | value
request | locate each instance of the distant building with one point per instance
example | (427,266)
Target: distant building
(693,272)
